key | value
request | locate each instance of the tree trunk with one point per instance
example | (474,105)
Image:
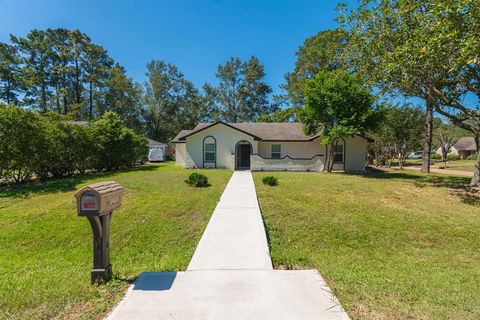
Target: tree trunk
(332,155)
(329,158)
(400,161)
(65,104)
(476,171)
(90,101)
(8,91)
(78,93)
(427,141)
(44,98)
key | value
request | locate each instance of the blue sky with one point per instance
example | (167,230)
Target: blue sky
(194,35)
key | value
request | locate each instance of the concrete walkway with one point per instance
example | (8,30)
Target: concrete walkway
(235,237)
(230,275)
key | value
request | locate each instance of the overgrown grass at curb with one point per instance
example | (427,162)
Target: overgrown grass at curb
(398,245)
(46,249)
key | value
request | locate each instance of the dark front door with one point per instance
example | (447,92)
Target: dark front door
(243,156)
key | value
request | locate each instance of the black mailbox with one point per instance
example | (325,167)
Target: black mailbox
(96,202)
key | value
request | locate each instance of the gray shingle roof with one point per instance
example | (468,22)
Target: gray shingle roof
(179,135)
(259,130)
(153,143)
(465,143)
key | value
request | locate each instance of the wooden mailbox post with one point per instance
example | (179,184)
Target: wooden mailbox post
(97,202)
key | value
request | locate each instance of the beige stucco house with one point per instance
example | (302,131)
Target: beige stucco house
(263,146)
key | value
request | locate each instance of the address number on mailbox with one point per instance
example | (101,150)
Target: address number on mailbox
(89,202)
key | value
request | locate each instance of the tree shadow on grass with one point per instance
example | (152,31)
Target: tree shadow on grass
(22,190)
(432,179)
(457,185)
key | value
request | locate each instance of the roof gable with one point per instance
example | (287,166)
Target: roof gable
(203,126)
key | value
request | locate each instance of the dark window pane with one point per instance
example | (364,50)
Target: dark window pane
(210,156)
(276,155)
(338,157)
(210,147)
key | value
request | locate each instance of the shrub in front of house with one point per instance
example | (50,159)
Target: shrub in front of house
(197,180)
(472,157)
(270,180)
(435,156)
(452,157)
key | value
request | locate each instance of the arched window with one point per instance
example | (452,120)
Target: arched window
(209,151)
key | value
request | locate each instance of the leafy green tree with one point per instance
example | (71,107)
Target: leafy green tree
(49,145)
(398,133)
(97,65)
(323,52)
(123,96)
(21,139)
(63,71)
(281,115)
(445,135)
(241,94)
(426,49)
(337,105)
(116,146)
(36,68)
(67,49)
(172,102)
(10,84)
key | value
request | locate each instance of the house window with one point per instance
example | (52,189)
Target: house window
(338,156)
(209,150)
(276,151)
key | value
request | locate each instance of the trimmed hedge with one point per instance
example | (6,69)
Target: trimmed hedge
(36,146)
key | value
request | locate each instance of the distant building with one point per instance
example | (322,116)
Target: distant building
(156,150)
(464,148)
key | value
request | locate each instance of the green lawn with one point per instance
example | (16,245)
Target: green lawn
(45,249)
(398,245)
(458,165)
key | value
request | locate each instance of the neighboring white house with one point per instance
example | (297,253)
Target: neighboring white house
(263,146)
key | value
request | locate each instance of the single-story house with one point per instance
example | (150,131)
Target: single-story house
(464,148)
(263,146)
